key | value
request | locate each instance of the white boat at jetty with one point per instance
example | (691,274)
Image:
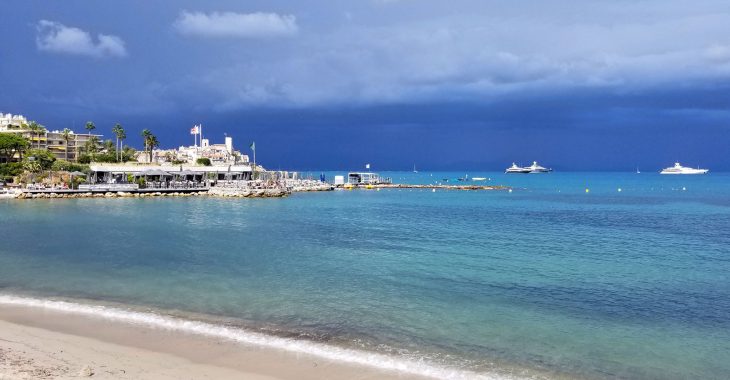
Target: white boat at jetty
(516,169)
(532,169)
(679,169)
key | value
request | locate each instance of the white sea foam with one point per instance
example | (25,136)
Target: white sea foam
(153,320)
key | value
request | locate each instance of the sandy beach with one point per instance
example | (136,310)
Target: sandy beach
(45,344)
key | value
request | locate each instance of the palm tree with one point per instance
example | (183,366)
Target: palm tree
(150,142)
(117,130)
(153,143)
(122,136)
(36,130)
(92,145)
(89,127)
(66,135)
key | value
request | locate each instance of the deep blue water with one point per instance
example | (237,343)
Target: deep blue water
(549,278)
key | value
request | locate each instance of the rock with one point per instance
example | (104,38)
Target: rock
(86,372)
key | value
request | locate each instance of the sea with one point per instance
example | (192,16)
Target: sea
(566,276)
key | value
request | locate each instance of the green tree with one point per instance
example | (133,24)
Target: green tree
(42,157)
(12,144)
(205,161)
(10,170)
(66,136)
(128,153)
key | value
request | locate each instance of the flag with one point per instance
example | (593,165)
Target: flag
(367,166)
(194,130)
(253,146)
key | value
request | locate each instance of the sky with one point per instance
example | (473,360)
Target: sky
(443,85)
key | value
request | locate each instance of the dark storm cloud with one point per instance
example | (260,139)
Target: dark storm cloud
(311,78)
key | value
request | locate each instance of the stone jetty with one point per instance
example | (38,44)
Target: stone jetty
(248,193)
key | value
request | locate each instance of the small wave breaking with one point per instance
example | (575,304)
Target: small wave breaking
(240,335)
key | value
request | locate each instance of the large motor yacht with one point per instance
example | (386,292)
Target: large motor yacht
(535,168)
(679,169)
(517,169)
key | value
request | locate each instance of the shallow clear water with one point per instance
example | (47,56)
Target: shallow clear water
(600,284)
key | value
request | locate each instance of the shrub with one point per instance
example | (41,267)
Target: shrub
(65,166)
(84,159)
(203,161)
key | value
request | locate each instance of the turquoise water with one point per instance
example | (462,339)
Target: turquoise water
(547,280)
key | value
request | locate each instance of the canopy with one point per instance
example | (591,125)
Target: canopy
(78,174)
(155,172)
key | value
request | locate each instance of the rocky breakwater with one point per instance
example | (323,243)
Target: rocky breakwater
(117,194)
(248,193)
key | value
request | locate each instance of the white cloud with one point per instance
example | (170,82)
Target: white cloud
(58,38)
(478,55)
(230,24)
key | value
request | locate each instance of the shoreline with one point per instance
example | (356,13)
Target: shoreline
(61,339)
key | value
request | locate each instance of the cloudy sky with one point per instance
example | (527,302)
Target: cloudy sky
(460,84)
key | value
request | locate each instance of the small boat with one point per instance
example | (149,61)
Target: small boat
(414,169)
(479,179)
(535,168)
(679,169)
(516,169)
(637,170)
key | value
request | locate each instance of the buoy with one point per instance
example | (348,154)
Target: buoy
(588,190)
(433,190)
(510,190)
(378,189)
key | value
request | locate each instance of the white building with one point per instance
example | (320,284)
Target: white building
(218,154)
(10,122)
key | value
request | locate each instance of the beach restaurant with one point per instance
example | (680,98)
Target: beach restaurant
(167,176)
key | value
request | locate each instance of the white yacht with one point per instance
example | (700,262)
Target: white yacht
(535,168)
(679,169)
(516,169)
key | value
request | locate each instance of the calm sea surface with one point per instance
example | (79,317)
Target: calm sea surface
(548,280)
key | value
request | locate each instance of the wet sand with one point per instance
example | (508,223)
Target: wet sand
(46,344)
